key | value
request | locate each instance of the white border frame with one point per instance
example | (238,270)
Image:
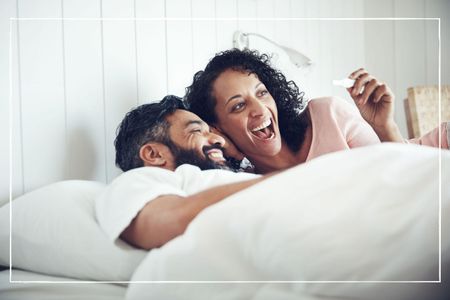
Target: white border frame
(11,21)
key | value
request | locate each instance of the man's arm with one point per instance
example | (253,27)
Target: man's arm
(166,217)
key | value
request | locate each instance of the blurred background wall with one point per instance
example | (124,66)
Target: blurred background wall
(72,80)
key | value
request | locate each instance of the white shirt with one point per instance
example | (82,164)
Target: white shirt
(122,200)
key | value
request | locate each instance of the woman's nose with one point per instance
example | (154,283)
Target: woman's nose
(257,108)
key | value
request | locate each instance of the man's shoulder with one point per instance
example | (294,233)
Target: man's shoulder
(144,176)
(144,171)
(188,170)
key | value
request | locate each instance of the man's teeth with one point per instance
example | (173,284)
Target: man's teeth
(215,154)
(263,125)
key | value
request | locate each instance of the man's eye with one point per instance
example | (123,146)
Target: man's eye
(196,131)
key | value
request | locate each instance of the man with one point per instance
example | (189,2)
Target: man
(170,158)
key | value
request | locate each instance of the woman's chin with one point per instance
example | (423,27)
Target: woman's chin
(266,147)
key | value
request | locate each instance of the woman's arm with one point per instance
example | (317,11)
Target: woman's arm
(375,102)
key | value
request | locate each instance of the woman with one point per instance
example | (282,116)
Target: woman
(266,117)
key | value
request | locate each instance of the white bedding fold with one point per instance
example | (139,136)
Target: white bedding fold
(369,214)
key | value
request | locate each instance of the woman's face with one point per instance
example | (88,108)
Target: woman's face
(247,113)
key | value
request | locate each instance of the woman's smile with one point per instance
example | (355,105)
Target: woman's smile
(247,112)
(264,131)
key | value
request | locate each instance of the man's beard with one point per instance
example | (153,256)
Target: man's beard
(192,157)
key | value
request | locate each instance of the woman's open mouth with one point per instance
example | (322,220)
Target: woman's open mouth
(264,131)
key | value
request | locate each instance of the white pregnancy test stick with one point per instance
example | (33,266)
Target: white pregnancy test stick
(346,82)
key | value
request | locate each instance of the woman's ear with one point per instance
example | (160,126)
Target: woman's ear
(156,155)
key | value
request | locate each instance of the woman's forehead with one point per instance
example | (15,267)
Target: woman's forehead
(231,79)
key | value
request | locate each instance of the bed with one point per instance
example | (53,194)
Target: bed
(45,287)
(358,224)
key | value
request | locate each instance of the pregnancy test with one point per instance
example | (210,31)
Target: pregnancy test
(346,82)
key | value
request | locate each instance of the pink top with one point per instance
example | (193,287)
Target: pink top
(432,138)
(337,125)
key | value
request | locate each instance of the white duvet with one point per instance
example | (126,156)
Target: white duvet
(369,214)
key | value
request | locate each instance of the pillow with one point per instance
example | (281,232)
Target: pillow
(54,231)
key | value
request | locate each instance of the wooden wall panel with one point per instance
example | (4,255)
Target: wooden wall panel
(314,89)
(247,13)
(300,41)
(225,28)
(380,42)
(203,34)
(264,9)
(443,8)
(85,132)
(432,50)
(151,50)
(410,53)
(359,54)
(283,29)
(42,94)
(327,47)
(437,9)
(283,36)
(9,108)
(179,46)
(120,72)
(348,43)
(73,81)
(264,25)
(403,53)
(17,174)
(339,65)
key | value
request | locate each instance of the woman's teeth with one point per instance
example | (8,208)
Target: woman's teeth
(264,131)
(263,125)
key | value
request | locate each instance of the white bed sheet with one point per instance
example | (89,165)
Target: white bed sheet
(369,214)
(48,291)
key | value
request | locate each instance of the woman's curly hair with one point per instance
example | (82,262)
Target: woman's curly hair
(289,100)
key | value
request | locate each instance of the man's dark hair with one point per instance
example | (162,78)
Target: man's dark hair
(289,100)
(144,124)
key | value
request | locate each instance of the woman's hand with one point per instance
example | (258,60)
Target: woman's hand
(375,102)
(373,98)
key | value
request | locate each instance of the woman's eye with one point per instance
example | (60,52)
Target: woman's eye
(263,93)
(237,107)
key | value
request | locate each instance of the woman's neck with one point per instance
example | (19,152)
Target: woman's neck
(280,161)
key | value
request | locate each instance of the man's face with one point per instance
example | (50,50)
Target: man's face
(193,143)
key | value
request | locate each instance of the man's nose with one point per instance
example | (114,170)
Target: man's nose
(216,139)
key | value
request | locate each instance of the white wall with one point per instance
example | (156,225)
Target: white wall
(73,80)
(404,53)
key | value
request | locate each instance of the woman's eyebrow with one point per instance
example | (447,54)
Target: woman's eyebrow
(239,95)
(233,97)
